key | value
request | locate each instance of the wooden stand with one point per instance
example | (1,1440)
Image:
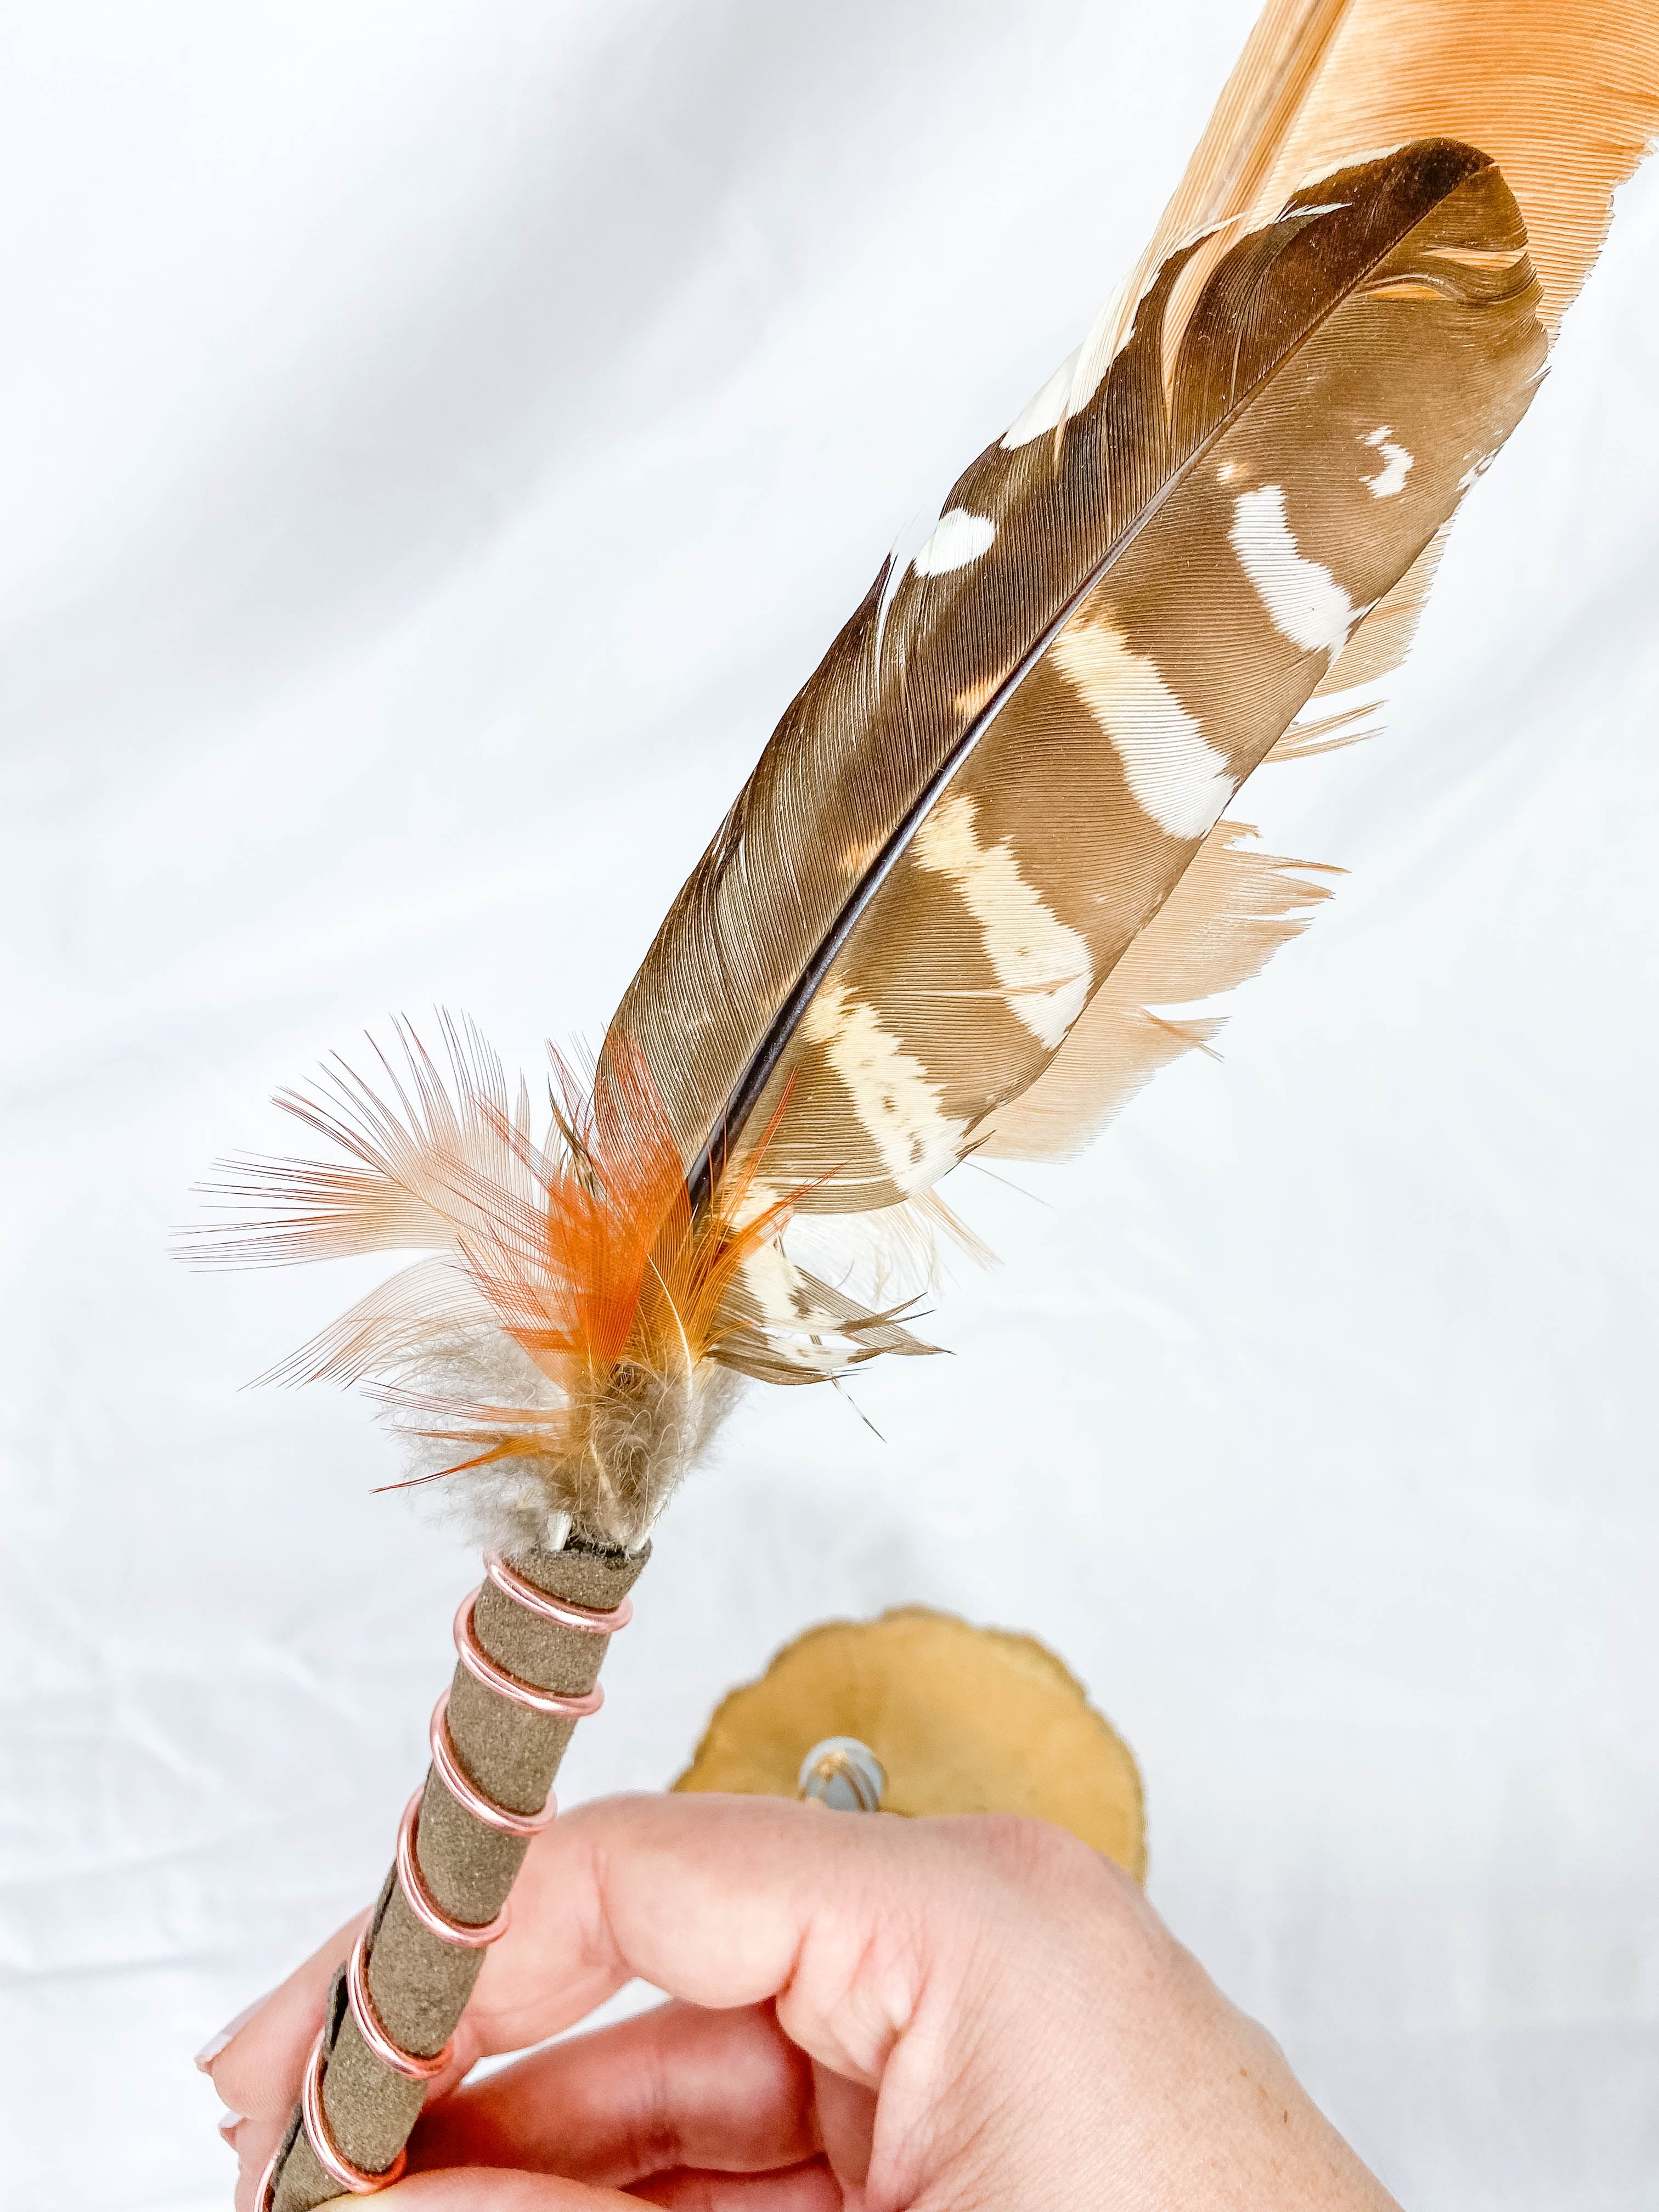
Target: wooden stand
(962,1720)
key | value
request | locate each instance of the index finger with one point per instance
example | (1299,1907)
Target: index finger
(846,1922)
(711,1899)
(727,1901)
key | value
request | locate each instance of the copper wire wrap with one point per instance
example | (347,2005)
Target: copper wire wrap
(422,1904)
(265,2195)
(446,1761)
(494,1676)
(466,1791)
(357,2180)
(372,2028)
(511,1584)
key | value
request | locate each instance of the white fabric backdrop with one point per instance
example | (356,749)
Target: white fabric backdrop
(441,435)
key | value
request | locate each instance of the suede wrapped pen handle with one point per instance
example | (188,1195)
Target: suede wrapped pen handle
(529,1664)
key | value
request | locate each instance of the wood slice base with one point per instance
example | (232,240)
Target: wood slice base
(963,1719)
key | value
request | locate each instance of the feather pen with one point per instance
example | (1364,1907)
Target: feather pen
(987,844)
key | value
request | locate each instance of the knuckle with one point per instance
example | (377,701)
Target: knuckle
(1041,1856)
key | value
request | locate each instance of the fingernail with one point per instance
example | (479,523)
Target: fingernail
(228,2124)
(211,2049)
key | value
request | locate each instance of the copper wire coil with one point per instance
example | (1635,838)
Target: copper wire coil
(372,2028)
(357,2180)
(468,1936)
(511,1584)
(462,1788)
(265,2195)
(562,1614)
(494,1676)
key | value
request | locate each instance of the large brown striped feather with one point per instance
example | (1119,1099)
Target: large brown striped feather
(1564,98)
(931,985)
(1005,764)
(977,887)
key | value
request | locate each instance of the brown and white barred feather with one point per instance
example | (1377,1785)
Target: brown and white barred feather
(983,856)
(1231,498)
(1013,754)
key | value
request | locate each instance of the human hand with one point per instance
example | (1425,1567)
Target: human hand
(868,2013)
